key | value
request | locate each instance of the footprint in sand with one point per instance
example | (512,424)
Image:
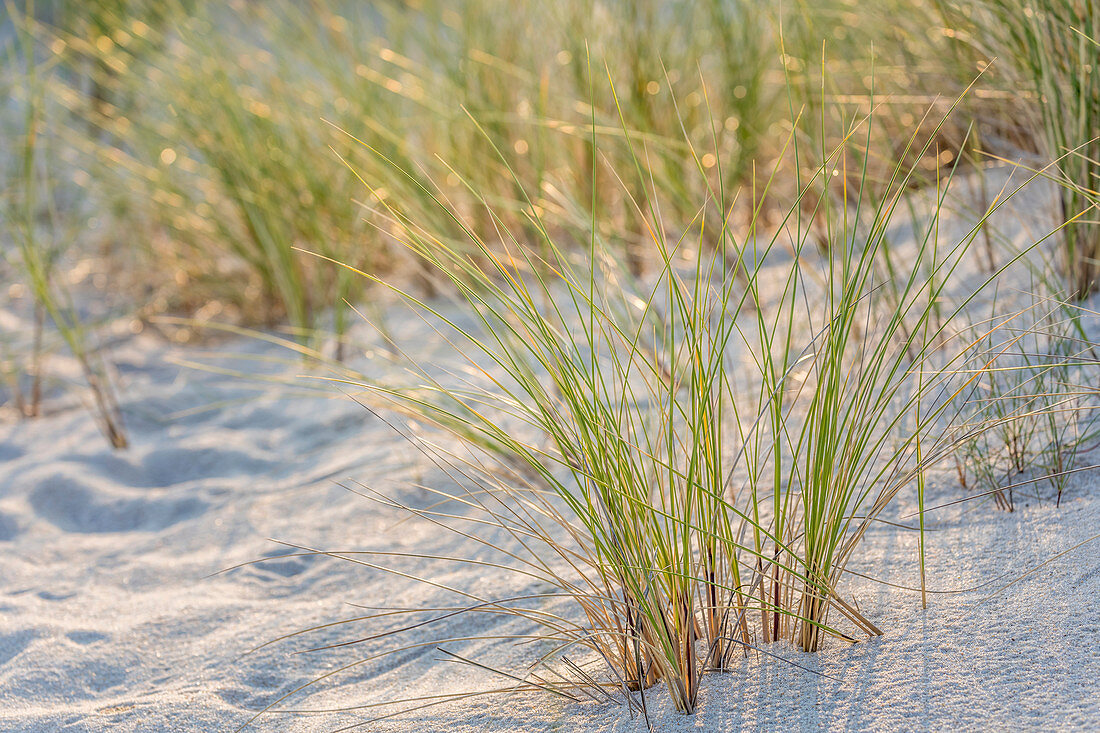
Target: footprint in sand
(9,452)
(12,645)
(169,466)
(9,528)
(86,637)
(282,563)
(68,504)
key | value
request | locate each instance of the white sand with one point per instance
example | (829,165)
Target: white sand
(108,620)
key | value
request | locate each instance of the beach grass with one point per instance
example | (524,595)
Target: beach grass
(694,457)
(39,229)
(716,307)
(1047,49)
(243,174)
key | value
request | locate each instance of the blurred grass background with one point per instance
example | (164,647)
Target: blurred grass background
(186,150)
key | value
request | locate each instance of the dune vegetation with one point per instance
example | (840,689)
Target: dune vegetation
(719,283)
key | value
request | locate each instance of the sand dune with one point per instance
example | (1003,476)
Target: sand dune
(114,615)
(111,620)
